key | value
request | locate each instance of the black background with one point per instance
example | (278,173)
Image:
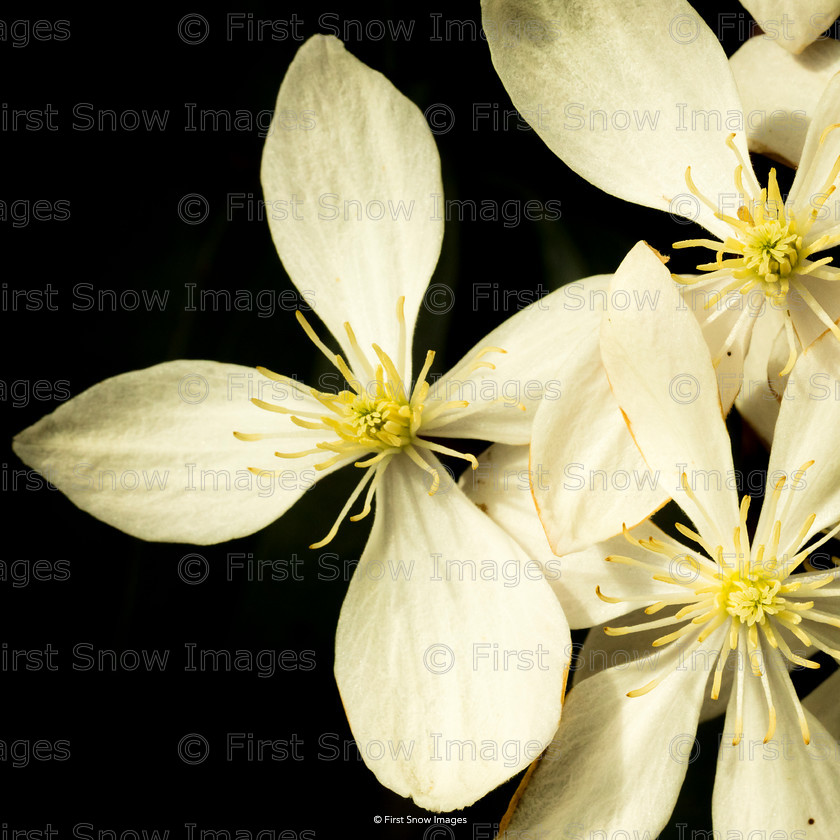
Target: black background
(122,189)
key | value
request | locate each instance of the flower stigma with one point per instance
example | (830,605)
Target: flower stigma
(377,418)
(750,590)
(769,247)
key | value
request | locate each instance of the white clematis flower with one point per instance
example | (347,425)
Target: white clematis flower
(724,603)
(662,125)
(418,649)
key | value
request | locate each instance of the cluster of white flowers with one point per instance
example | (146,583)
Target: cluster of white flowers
(467,672)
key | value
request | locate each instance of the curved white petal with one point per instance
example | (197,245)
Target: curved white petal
(780,91)
(541,344)
(589,477)
(807,324)
(600,651)
(356,139)
(617,763)
(819,154)
(660,370)
(792,24)
(627,94)
(418,638)
(727,323)
(758,401)
(780,786)
(152,452)
(807,430)
(500,488)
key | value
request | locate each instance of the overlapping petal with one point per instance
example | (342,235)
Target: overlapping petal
(807,431)
(816,164)
(617,763)
(780,92)
(542,345)
(500,488)
(671,398)
(592,477)
(439,592)
(793,24)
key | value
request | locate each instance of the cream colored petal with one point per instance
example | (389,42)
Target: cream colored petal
(758,401)
(152,452)
(806,431)
(793,24)
(500,488)
(780,91)
(778,785)
(617,763)
(659,367)
(628,96)
(819,156)
(451,649)
(541,345)
(600,651)
(588,475)
(362,166)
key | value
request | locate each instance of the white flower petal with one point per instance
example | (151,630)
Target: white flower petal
(627,98)
(500,488)
(588,475)
(808,325)
(414,649)
(541,344)
(757,401)
(660,370)
(819,154)
(617,763)
(727,326)
(600,651)
(792,24)
(781,786)
(152,452)
(368,144)
(805,431)
(780,91)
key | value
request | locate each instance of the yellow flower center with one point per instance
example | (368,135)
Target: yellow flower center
(751,588)
(378,416)
(752,598)
(769,249)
